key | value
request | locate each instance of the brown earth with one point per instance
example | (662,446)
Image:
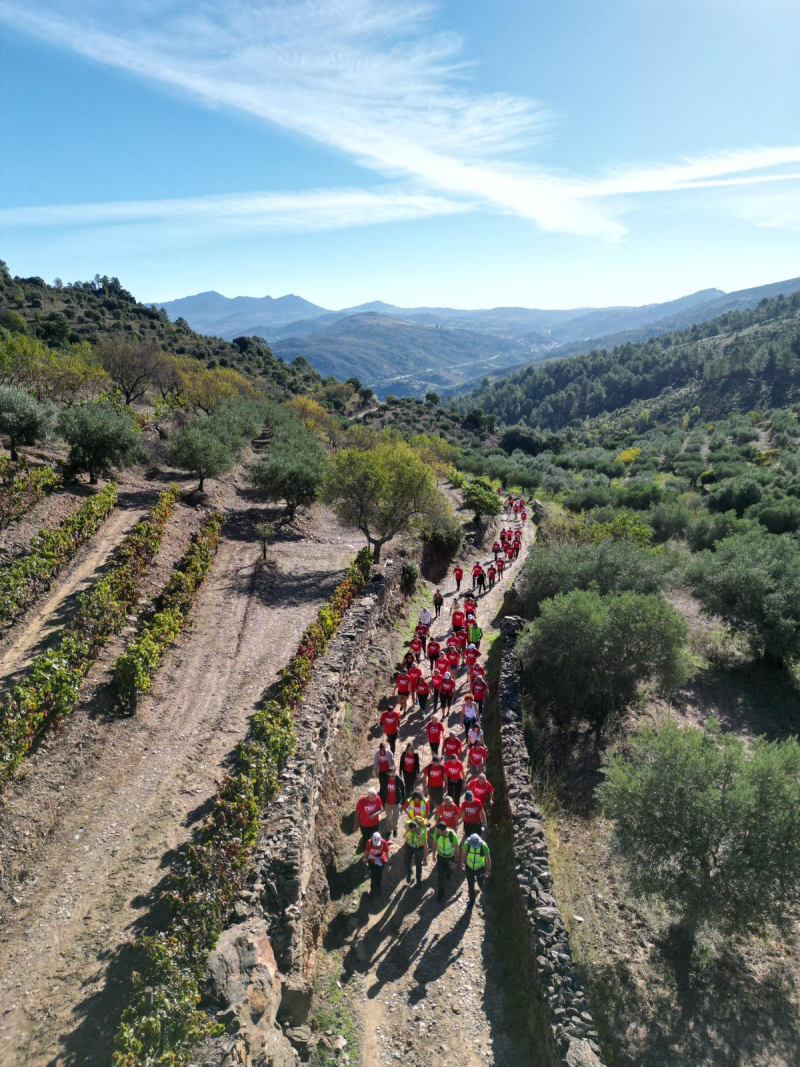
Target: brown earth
(88,831)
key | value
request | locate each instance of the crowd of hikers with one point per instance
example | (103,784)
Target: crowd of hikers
(439,693)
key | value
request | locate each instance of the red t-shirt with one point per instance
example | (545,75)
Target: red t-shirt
(477,755)
(452,642)
(448,813)
(434,774)
(378,852)
(390,721)
(470,607)
(369,809)
(422,629)
(415,645)
(403,684)
(409,762)
(391,792)
(501,564)
(454,768)
(422,687)
(492,572)
(462,638)
(476,672)
(448,685)
(481,790)
(472,656)
(453,657)
(479,688)
(457,618)
(433,649)
(472,810)
(452,746)
(458,574)
(436,681)
(476,570)
(384,763)
(441,665)
(414,674)
(496,546)
(434,731)
(510,553)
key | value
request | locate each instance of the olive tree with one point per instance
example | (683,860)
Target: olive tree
(23,419)
(292,470)
(482,500)
(101,436)
(200,450)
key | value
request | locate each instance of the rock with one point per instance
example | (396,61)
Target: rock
(546,914)
(296,996)
(581,1054)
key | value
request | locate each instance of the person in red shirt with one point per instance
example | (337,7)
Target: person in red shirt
(453,657)
(471,654)
(479,691)
(482,789)
(415,646)
(451,642)
(462,640)
(502,535)
(449,813)
(414,675)
(436,687)
(470,606)
(434,730)
(458,574)
(434,776)
(395,796)
(481,582)
(491,572)
(457,616)
(368,813)
(523,515)
(510,553)
(448,690)
(390,721)
(501,566)
(476,759)
(422,630)
(496,548)
(476,672)
(382,763)
(517,547)
(441,664)
(402,684)
(423,688)
(473,814)
(452,745)
(409,767)
(434,648)
(477,570)
(376,854)
(454,769)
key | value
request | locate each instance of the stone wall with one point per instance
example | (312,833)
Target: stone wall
(574,1037)
(284,903)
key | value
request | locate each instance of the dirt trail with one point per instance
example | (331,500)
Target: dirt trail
(131,790)
(432,988)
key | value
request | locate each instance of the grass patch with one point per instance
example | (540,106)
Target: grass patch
(333,1017)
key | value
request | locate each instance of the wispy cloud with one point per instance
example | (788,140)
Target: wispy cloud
(775,211)
(374,80)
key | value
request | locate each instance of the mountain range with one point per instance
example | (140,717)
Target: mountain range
(407,351)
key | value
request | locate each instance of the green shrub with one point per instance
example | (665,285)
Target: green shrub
(409,577)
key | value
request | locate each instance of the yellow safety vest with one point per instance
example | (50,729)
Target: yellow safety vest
(446,843)
(416,836)
(476,857)
(418,809)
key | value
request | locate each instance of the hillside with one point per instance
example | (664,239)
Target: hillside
(396,357)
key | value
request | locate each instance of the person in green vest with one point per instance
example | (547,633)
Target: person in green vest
(475,635)
(416,847)
(445,841)
(477,863)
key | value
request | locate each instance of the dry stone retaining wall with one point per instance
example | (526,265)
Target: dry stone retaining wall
(574,1037)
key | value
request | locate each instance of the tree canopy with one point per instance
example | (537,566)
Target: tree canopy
(101,436)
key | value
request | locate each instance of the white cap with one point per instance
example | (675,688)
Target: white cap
(472,646)
(447,674)
(376,837)
(372,793)
(473,840)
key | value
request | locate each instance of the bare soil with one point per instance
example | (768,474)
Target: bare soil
(89,832)
(428,975)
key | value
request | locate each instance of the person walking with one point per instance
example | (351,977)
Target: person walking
(476,759)
(457,615)
(415,852)
(481,582)
(395,796)
(482,789)
(491,572)
(423,689)
(390,722)
(480,691)
(425,617)
(501,566)
(438,602)
(454,769)
(418,807)
(433,650)
(476,570)
(469,713)
(475,735)
(434,775)
(452,745)
(458,574)
(368,813)
(473,814)
(434,730)
(436,688)
(382,763)
(497,548)
(416,646)
(375,856)
(453,657)
(409,767)
(449,813)
(422,631)
(445,843)
(471,655)
(402,685)
(414,674)
(448,689)
(477,862)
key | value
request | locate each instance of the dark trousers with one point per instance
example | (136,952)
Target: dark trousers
(454,789)
(491,582)
(474,580)
(435,795)
(444,866)
(447,701)
(391,741)
(413,855)
(422,700)
(375,877)
(408,782)
(458,584)
(383,778)
(437,610)
(366,834)
(435,700)
(478,876)
(481,584)
(432,660)
(435,746)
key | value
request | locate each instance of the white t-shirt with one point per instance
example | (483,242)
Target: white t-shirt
(425,617)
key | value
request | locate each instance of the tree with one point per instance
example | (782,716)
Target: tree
(293,471)
(708,825)
(13,321)
(482,500)
(132,366)
(199,450)
(382,490)
(623,640)
(23,419)
(753,581)
(433,399)
(101,436)
(265,531)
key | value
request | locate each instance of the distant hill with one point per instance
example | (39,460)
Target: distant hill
(222,316)
(392,356)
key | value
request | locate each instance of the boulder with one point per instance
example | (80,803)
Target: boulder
(580,1054)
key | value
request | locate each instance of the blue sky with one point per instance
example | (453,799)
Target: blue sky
(460,153)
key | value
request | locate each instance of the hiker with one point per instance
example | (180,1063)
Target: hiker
(382,763)
(501,566)
(375,856)
(482,789)
(434,776)
(418,807)
(438,602)
(477,569)
(448,689)
(409,767)
(390,721)
(497,548)
(414,675)
(454,769)
(445,842)
(477,863)
(481,581)
(449,813)
(409,660)
(473,814)
(402,685)
(415,852)
(436,688)
(475,735)
(452,746)
(453,657)
(471,653)
(458,574)
(416,646)
(434,730)
(423,688)
(477,755)
(491,572)
(480,690)
(422,630)
(368,811)
(395,796)
(457,615)
(425,617)
(469,713)
(433,650)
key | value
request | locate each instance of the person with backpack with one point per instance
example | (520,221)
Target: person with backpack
(376,855)
(458,574)
(477,863)
(368,813)
(409,767)
(415,852)
(438,603)
(395,796)
(449,813)
(445,843)
(418,807)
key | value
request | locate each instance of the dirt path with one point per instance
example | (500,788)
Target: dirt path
(432,988)
(130,791)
